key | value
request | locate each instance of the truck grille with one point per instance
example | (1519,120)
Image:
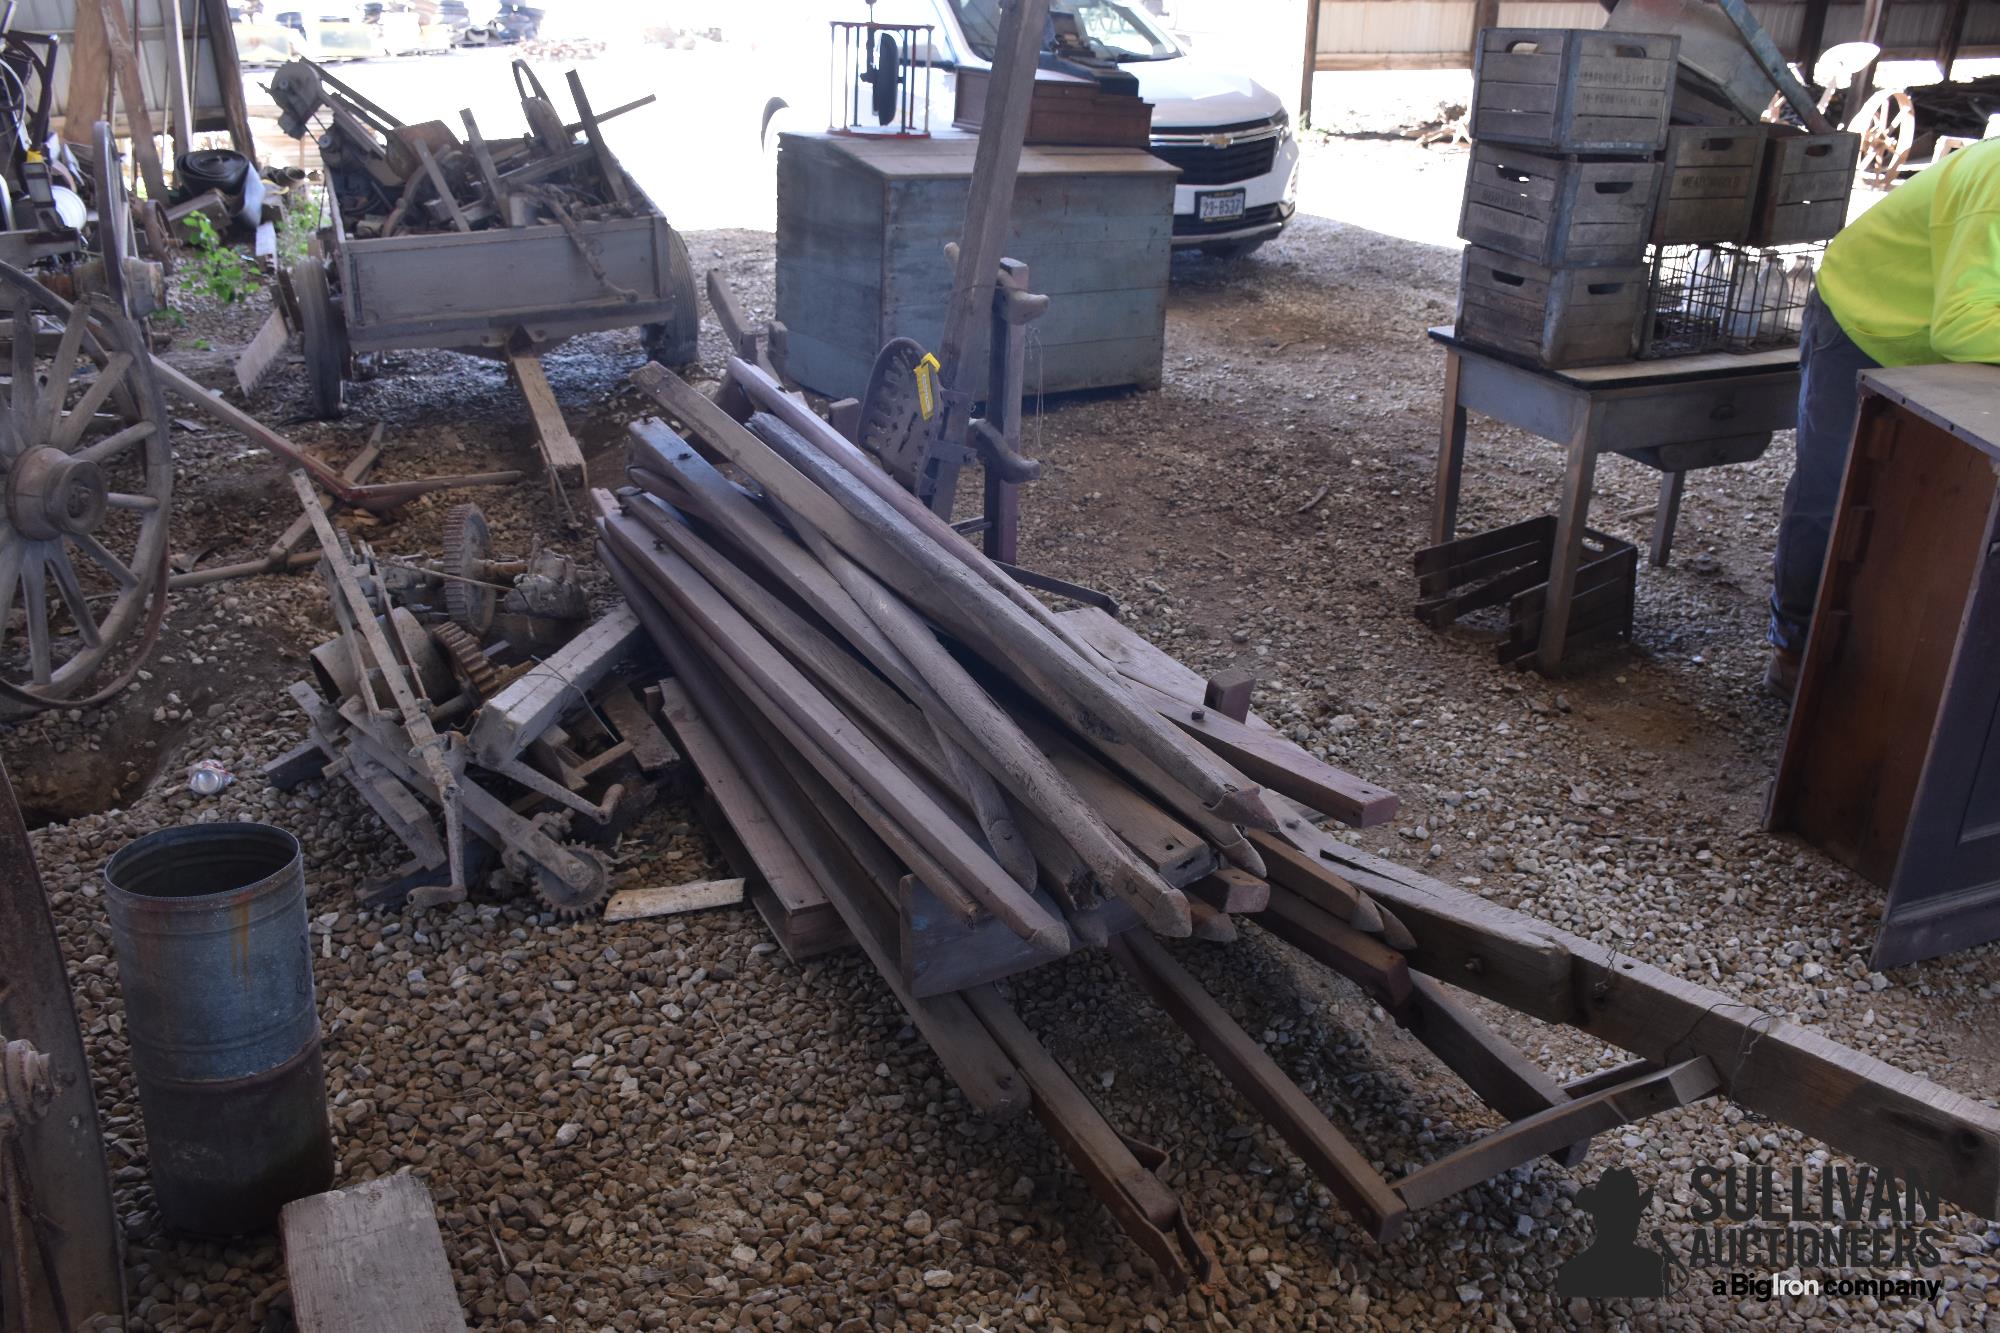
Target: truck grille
(1203,164)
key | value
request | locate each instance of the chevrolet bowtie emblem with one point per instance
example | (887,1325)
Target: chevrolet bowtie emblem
(1218,140)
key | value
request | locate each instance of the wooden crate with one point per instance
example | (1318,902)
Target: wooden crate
(1708,184)
(1803,187)
(862,226)
(1552,317)
(1063,110)
(1559,211)
(1573,90)
(1510,567)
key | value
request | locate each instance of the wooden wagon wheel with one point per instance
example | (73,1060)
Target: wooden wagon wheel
(86,477)
(1887,124)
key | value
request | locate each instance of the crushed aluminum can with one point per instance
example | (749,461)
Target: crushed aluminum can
(208,778)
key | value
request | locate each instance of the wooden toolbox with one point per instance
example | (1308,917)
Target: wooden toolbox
(1510,567)
(1063,110)
(1559,211)
(1708,184)
(1803,189)
(1553,317)
(1571,90)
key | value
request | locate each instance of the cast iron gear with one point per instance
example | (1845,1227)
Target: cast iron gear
(469,662)
(468,545)
(570,901)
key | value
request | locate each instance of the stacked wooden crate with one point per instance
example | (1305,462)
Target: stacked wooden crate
(1559,197)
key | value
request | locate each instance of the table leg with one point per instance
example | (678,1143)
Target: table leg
(1451,457)
(1578,476)
(1666,514)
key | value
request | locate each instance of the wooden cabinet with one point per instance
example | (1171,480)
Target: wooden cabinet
(1892,761)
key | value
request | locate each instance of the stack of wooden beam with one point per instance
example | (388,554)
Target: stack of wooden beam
(910,752)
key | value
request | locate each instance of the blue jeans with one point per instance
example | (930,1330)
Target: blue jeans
(1829,364)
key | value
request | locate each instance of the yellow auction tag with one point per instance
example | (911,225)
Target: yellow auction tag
(926,392)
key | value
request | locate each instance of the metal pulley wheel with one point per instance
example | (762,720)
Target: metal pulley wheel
(323,332)
(86,477)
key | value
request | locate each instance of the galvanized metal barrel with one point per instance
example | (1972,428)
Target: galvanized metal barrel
(215,964)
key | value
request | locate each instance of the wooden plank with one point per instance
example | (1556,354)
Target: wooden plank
(1270,759)
(1548,1131)
(1234,891)
(367,1258)
(180,104)
(1138,658)
(1362,958)
(560,453)
(219,38)
(1324,1149)
(88,98)
(1491,1066)
(673,899)
(262,352)
(524,709)
(651,750)
(974,1062)
(132,91)
(1769,1066)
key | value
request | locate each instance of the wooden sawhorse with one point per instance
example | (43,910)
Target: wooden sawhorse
(1675,414)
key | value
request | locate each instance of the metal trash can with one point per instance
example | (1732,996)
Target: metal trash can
(215,964)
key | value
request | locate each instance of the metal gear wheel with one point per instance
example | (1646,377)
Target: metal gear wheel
(570,901)
(468,544)
(469,662)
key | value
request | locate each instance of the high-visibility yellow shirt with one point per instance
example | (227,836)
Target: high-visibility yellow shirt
(1916,279)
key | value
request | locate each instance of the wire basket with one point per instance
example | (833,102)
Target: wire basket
(1726,298)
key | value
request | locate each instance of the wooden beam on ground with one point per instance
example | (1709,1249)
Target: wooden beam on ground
(1768,1065)
(369,1257)
(560,454)
(1112,1164)
(1549,1131)
(1237,892)
(673,899)
(1361,1191)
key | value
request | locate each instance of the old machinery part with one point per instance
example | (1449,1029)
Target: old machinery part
(323,333)
(469,662)
(546,606)
(86,480)
(299,92)
(1887,123)
(469,598)
(580,888)
(892,413)
(675,341)
(884,77)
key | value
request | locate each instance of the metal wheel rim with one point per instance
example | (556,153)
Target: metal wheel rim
(1888,126)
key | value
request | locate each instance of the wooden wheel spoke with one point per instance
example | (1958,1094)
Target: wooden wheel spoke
(34,584)
(111,446)
(73,598)
(10,579)
(126,500)
(62,371)
(72,425)
(101,556)
(21,390)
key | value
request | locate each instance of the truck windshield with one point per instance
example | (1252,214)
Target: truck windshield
(1116,29)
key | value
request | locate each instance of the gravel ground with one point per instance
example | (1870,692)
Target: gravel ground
(665,1124)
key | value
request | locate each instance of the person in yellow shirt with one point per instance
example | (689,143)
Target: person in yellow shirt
(1914,280)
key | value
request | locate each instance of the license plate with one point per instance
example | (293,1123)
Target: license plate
(1219,206)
